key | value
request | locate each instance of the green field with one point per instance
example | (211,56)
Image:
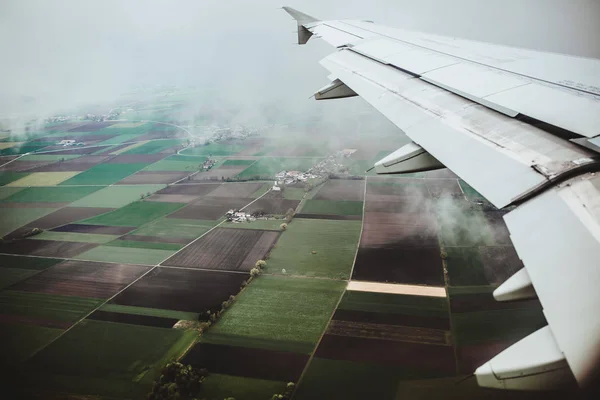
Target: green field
(268,167)
(495,325)
(333,379)
(125,137)
(122,360)
(7,177)
(54,307)
(177,163)
(237,163)
(24,262)
(75,237)
(104,174)
(330,207)
(10,220)
(44,179)
(334,242)
(394,304)
(465,267)
(19,342)
(10,276)
(116,196)
(145,245)
(175,227)
(153,312)
(278,313)
(218,386)
(155,146)
(128,255)
(291,193)
(134,214)
(58,194)
(7,191)
(49,157)
(214,149)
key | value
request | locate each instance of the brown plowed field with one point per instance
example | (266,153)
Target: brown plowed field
(36,321)
(417,356)
(46,248)
(252,363)
(226,249)
(329,216)
(216,174)
(182,290)
(136,158)
(399,265)
(398,205)
(339,189)
(50,204)
(83,279)
(499,263)
(473,356)
(98,229)
(243,189)
(209,208)
(172,198)
(81,150)
(393,319)
(197,190)
(19,166)
(145,320)
(443,187)
(395,333)
(272,206)
(77,164)
(143,177)
(91,126)
(156,239)
(399,236)
(67,215)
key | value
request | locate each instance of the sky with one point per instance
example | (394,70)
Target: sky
(67,52)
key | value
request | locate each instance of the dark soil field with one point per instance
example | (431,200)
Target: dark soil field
(485,302)
(192,190)
(66,215)
(475,355)
(34,321)
(46,248)
(244,189)
(92,126)
(338,189)
(209,208)
(499,263)
(252,363)
(399,265)
(398,236)
(81,150)
(83,279)
(215,174)
(399,206)
(143,177)
(20,166)
(395,333)
(418,356)
(50,204)
(423,321)
(272,206)
(182,290)
(172,198)
(133,319)
(77,164)
(226,249)
(136,158)
(156,239)
(443,187)
(98,229)
(329,216)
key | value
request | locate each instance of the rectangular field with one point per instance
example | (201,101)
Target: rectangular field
(155,146)
(173,228)
(320,248)
(51,194)
(122,362)
(75,237)
(134,214)
(236,189)
(210,208)
(46,248)
(66,215)
(24,262)
(330,207)
(81,163)
(82,279)
(271,206)
(94,229)
(116,196)
(43,179)
(177,163)
(278,313)
(19,342)
(131,255)
(226,249)
(152,312)
(182,290)
(10,220)
(149,177)
(215,149)
(133,319)
(104,174)
(217,386)
(341,189)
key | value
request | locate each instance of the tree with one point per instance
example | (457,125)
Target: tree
(254,272)
(260,264)
(283,226)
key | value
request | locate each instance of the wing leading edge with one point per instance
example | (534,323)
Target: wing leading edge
(522,128)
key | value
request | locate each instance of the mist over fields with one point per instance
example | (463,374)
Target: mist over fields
(57,55)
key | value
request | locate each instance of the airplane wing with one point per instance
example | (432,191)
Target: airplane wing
(523,128)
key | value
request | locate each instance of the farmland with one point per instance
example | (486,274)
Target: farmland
(134,265)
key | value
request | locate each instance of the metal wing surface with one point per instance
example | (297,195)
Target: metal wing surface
(523,128)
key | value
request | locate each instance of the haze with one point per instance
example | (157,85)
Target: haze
(63,53)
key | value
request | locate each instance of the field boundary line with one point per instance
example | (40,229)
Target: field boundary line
(362,227)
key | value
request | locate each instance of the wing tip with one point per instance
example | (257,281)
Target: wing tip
(299,16)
